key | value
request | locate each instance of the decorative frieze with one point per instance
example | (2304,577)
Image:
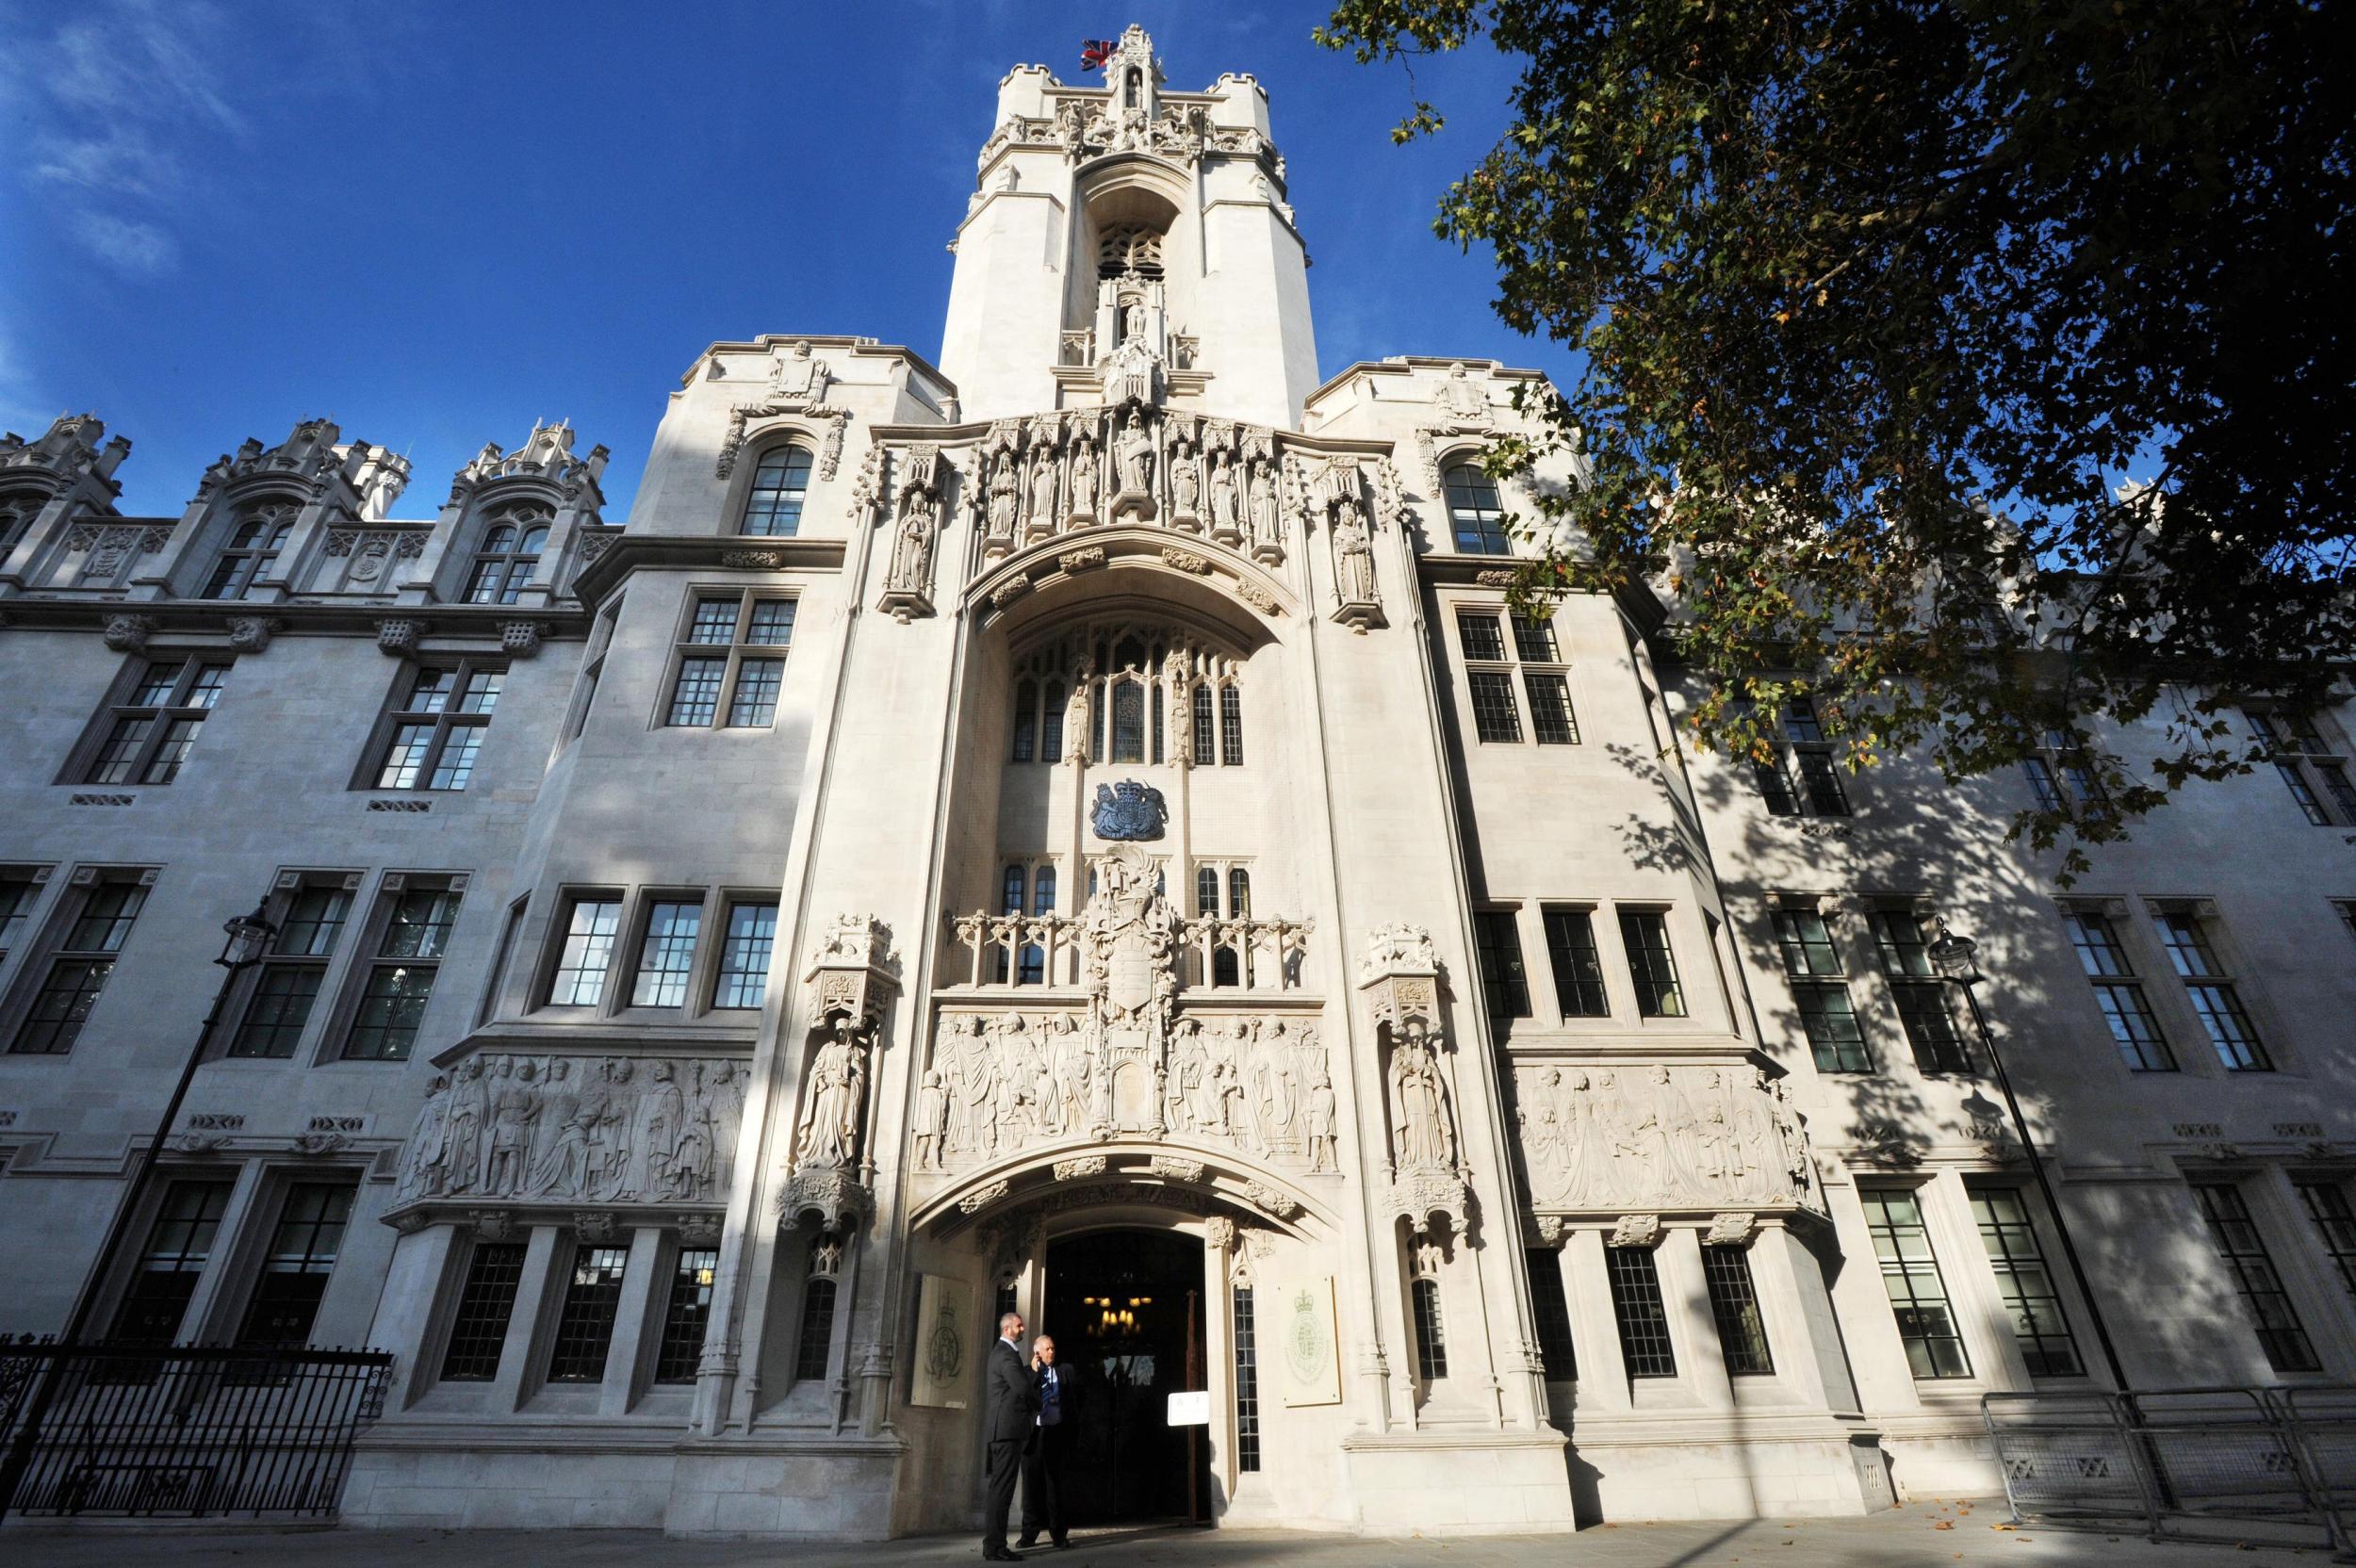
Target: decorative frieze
(1609,1139)
(604,1129)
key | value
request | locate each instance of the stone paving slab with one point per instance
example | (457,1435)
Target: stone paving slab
(1920,1535)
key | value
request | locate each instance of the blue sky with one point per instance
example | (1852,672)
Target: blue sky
(438,222)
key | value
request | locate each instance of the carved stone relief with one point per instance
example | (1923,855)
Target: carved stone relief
(572,1128)
(1611,1138)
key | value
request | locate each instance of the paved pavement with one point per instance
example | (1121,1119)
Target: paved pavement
(1922,1535)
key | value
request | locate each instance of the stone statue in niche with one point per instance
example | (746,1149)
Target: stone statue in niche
(1042,492)
(1422,1129)
(1136,457)
(1185,484)
(1353,554)
(1267,526)
(1083,478)
(1075,718)
(912,552)
(1224,523)
(1321,1122)
(932,1123)
(1004,499)
(1178,684)
(836,1099)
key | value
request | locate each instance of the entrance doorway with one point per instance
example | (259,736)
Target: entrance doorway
(1126,1312)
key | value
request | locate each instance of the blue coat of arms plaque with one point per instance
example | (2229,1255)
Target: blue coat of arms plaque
(1128,810)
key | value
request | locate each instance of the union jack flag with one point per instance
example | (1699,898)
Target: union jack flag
(1096,53)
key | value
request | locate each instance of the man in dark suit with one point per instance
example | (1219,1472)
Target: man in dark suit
(1009,1403)
(1043,1465)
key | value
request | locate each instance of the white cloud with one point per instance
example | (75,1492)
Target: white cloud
(126,244)
(110,101)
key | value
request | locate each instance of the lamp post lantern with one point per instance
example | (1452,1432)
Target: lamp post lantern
(1956,959)
(248,936)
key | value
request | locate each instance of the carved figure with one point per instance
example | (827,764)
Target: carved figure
(1043,491)
(423,1165)
(469,1111)
(1321,1122)
(932,1123)
(1137,455)
(561,1162)
(1004,500)
(1353,554)
(1462,396)
(1082,478)
(1265,527)
(1075,721)
(836,1099)
(1185,484)
(1422,1134)
(913,555)
(1223,519)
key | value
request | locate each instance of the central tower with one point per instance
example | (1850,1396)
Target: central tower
(1125,240)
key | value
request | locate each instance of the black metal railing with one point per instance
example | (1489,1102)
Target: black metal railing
(189,1431)
(2264,1466)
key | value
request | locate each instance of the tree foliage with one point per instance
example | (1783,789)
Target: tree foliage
(1982,371)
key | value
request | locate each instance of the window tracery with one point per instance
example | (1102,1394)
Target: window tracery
(1129,248)
(252,550)
(509,555)
(1136,692)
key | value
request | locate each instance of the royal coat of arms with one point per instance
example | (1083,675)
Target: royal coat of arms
(1128,810)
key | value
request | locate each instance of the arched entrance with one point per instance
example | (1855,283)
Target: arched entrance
(1126,1309)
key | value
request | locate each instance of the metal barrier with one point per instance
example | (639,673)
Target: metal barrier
(189,1431)
(2263,1465)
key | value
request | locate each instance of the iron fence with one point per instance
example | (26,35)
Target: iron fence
(189,1431)
(2243,1465)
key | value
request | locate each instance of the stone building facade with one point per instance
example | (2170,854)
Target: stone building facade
(1077,828)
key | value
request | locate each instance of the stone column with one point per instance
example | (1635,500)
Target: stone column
(629,1355)
(1594,1327)
(1981,1316)
(405,1309)
(1802,1329)
(541,1258)
(1694,1328)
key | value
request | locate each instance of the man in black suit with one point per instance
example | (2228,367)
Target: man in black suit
(1043,1465)
(1009,1403)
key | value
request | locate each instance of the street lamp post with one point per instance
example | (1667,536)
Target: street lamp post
(1956,956)
(249,936)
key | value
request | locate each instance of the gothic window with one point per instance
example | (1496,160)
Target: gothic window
(2311,767)
(1239,894)
(509,556)
(686,1314)
(179,1244)
(2211,987)
(584,1324)
(1129,248)
(1652,964)
(1051,724)
(1473,512)
(1032,969)
(302,1249)
(1026,719)
(1734,1307)
(745,956)
(730,662)
(1247,1382)
(1917,1292)
(413,936)
(1205,739)
(286,986)
(1128,721)
(1206,893)
(1578,966)
(151,730)
(81,966)
(2242,1248)
(17,513)
(1636,1307)
(781,484)
(1431,1333)
(2118,993)
(253,549)
(1921,994)
(435,731)
(816,1340)
(478,1328)
(1503,982)
(1811,966)
(1230,727)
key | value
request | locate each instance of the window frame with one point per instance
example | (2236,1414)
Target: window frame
(287,891)
(1504,976)
(181,706)
(2242,1264)
(1488,535)
(733,656)
(794,444)
(526,517)
(401,713)
(58,944)
(1919,996)
(1584,914)
(2224,975)
(1629,918)
(1806,981)
(2315,774)
(24,915)
(1915,1301)
(235,567)
(1502,674)
(2119,995)
(368,953)
(1793,788)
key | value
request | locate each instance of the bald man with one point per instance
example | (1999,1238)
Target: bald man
(1010,1406)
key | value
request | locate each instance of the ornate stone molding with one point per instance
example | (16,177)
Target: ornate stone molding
(836,421)
(1733,1229)
(398,635)
(1170,1167)
(520,639)
(129,634)
(834,1194)
(251,633)
(1074,561)
(1074,1170)
(1635,1229)
(982,1198)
